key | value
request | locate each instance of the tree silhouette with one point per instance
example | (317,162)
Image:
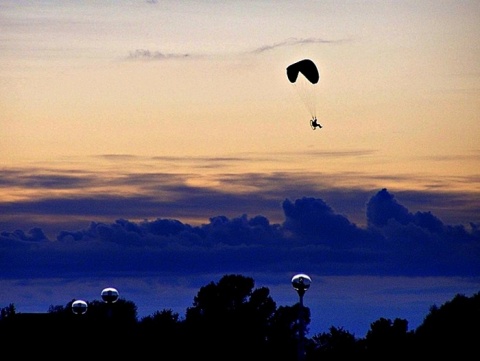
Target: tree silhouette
(386,337)
(284,331)
(7,312)
(337,344)
(453,328)
(230,315)
(160,333)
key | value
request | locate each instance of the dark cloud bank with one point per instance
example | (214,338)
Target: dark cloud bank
(312,238)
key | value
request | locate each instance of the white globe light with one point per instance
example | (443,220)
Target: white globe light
(109,295)
(301,282)
(79,307)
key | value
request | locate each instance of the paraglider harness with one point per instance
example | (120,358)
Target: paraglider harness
(314,124)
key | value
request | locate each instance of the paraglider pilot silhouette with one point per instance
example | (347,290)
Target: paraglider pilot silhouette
(304,76)
(314,123)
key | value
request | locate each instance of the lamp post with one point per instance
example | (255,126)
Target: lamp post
(301,282)
(78,327)
(109,296)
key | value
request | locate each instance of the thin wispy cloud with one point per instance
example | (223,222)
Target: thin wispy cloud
(474,156)
(145,54)
(293,42)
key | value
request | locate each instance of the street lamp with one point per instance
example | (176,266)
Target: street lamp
(109,296)
(79,307)
(301,283)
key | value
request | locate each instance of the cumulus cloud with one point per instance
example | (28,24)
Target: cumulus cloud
(312,236)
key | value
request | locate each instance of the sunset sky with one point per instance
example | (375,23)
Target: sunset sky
(129,124)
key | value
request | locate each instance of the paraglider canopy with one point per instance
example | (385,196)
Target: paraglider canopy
(304,76)
(307,68)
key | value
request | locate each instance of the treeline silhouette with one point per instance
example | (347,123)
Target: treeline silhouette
(231,320)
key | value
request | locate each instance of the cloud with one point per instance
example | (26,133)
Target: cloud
(292,42)
(56,199)
(313,219)
(145,54)
(312,237)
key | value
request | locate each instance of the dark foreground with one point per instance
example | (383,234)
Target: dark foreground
(231,320)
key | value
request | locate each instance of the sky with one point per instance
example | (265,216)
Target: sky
(155,146)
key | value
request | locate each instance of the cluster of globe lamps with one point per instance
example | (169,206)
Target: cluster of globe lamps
(300,282)
(109,295)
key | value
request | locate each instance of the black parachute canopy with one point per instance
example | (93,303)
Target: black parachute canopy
(306,67)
